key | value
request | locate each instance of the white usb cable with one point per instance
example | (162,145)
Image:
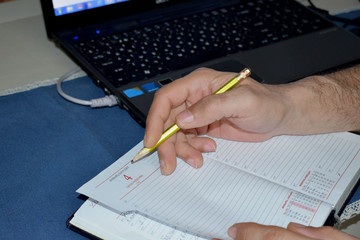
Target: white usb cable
(107,101)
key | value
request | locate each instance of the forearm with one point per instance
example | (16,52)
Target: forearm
(321,104)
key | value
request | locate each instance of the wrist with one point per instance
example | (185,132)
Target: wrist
(316,103)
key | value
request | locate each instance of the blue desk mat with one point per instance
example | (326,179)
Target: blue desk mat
(48,148)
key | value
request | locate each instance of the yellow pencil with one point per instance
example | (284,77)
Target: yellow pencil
(174,128)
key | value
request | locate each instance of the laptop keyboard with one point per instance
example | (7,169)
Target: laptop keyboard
(143,53)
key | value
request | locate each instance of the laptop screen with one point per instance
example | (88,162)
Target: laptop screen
(62,7)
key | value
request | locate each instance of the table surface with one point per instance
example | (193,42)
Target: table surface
(28,57)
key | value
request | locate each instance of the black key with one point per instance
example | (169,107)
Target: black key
(179,63)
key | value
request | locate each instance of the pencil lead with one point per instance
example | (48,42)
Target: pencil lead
(141,154)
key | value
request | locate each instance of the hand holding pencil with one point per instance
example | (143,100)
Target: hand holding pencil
(174,128)
(196,109)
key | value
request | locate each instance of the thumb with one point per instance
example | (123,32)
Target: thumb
(321,233)
(206,111)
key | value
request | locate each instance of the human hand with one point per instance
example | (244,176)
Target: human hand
(249,112)
(253,231)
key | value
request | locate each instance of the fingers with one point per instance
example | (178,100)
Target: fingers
(321,233)
(208,110)
(170,100)
(253,231)
(187,147)
(191,149)
(189,154)
(167,157)
(203,144)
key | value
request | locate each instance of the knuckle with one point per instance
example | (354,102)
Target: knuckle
(199,72)
(274,234)
(251,96)
(160,92)
(200,69)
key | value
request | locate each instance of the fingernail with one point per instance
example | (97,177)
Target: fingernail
(192,163)
(232,232)
(210,148)
(162,167)
(185,117)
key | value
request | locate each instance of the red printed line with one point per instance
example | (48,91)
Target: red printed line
(119,215)
(112,175)
(307,175)
(302,206)
(315,213)
(287,200)
(94,204)
(343,173)
(139,183)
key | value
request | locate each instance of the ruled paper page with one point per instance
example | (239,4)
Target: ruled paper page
(205,201)
(106,224)
(320,165)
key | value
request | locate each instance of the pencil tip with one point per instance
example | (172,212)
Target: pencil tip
(141,154)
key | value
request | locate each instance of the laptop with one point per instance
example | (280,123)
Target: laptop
(131,48)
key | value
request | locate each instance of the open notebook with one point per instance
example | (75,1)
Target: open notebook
(303,179)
